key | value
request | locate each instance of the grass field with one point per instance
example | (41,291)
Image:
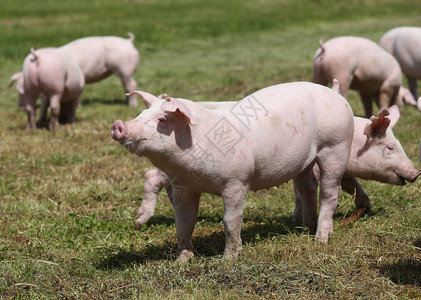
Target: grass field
(68,198)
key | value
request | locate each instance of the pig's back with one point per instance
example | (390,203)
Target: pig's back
(404,44)
(296,121)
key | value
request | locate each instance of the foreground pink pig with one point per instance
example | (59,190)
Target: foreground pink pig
(57,77)
(362,65)
(404,44)
(376,156)
(264,140)
(102,56)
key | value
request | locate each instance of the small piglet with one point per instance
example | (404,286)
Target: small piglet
(404,44)
(56,76)
(274,135)
(361,65)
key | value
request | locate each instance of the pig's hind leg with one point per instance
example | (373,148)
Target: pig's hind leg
(332,162)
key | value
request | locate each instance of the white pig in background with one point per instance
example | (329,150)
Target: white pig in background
(101,56)
(274,135)
(97,58)
(57,77)
(361,65)
(404,43)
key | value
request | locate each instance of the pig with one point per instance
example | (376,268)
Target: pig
(362,65)
(375,155)
(100,56)
(394,170)
(274,135)
(57,77)
(404,44)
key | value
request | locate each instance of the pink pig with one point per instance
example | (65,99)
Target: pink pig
(274,135)
(100,56)
(57,77)
(362,65)
(383,159)
(404,44)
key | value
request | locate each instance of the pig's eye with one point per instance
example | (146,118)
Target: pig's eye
(162,120)
(390,148)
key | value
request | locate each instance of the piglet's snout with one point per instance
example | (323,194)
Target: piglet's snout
(118,131)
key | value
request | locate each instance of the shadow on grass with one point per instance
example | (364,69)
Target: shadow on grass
(205,245)
(114,101)
(407,271)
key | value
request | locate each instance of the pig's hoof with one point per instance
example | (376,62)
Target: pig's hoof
(185,256)
(323,238)
(142,218)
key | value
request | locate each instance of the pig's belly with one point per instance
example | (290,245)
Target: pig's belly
(281,167)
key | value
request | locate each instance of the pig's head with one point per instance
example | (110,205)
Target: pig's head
(378,155)
(18,78)
(161,131)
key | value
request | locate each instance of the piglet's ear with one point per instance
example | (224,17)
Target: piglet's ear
(378,126)
(394,115)
(176,106)
(148,99)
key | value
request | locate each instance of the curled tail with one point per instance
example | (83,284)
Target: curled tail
(34,54)
(131,36)
(322,48)
(335,85)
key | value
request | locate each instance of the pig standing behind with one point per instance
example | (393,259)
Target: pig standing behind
(362,65)
(231,150)
(56,75)
(404,43)
(100,56)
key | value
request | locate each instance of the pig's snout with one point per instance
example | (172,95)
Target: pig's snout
(118,131)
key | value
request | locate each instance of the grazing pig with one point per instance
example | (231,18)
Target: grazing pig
(101,56)
(404,44)
(362,65)
(274,135)
(57,77)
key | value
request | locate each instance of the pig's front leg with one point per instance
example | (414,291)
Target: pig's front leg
(352,186)
(186,207)
(367,104)
(30,110)
(234,200)
(155,180)
(412,82)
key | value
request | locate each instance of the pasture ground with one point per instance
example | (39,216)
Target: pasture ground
(68,199)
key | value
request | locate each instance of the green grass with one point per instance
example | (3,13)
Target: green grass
(68,199)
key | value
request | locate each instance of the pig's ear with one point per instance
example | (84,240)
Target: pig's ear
(378,126)
(178,107)
(148,99)
(14,78)
(394,115)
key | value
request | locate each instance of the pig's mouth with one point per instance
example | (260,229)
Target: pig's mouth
(132,145)
(402,179)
